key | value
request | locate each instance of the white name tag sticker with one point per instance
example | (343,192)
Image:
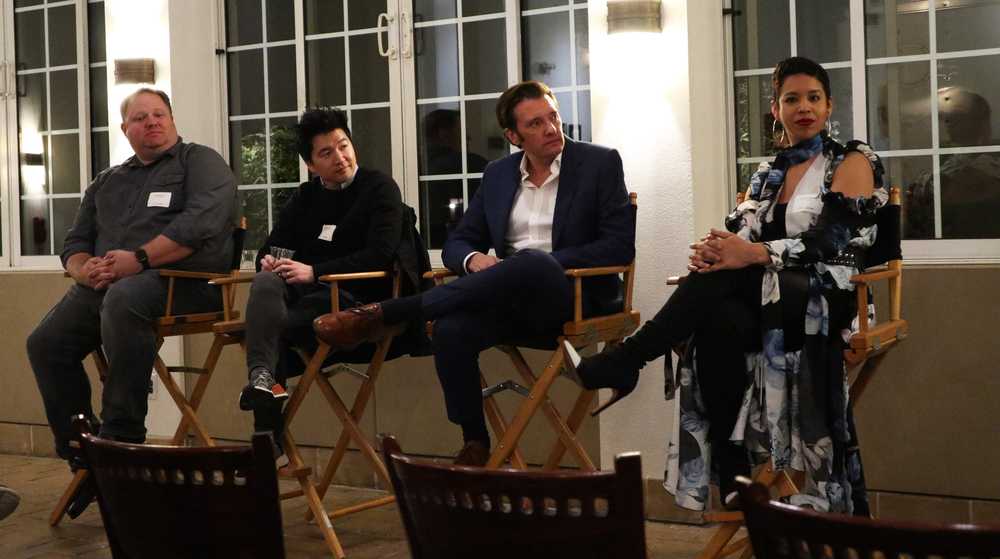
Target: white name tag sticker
(158,200)
(327,233)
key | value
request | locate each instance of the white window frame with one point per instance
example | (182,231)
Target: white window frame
(12,259)
(946,252)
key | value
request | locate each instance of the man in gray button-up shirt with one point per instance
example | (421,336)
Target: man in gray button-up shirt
(172,204)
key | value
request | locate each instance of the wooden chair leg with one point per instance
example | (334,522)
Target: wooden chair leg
(499,423)
(182,403)
(584,403)
(60,510)
(208,368)
(717,544)
(566,435)
(526,411)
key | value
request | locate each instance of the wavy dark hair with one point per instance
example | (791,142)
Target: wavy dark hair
(316,121)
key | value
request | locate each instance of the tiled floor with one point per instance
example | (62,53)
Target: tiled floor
(372,534)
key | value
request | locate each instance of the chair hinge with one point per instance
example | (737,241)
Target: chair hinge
(505,385)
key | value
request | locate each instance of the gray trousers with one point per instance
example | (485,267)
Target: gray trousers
(121,318)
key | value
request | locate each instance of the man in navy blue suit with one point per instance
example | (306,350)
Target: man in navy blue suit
(555,204)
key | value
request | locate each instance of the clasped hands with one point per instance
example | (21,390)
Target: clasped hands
(722,250)
(98,272)
(289,270)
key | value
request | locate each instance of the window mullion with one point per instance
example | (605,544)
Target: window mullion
(300,72)
(935,128)
(859,85)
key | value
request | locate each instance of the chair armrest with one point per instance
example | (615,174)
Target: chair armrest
(184,274)
(353,276)
(865,278)
(439,273)
(675,280)
(599,271)
(232,280)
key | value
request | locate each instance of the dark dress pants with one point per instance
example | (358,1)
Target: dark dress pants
(525,296)
(122,319)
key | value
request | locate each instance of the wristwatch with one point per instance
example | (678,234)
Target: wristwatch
(142,258)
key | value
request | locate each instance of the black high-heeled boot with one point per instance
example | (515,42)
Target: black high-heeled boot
(616,368)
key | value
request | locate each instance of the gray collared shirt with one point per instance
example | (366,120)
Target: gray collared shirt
(188,195)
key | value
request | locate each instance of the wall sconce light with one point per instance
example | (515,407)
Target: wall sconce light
(32,159)
(135,70)
(641,16)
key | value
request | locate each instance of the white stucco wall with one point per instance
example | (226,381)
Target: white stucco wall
(644,93)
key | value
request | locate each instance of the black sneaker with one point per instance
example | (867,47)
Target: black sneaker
(262,390)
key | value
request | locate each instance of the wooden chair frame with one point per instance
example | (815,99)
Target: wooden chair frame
(316,374)
(580,332)
(169,325)
(866,348)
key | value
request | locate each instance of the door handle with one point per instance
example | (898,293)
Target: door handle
(382,51)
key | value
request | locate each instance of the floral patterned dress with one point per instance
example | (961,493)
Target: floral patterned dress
(795,410)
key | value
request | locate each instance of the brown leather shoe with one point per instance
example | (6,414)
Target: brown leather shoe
(353,327)
(474,453)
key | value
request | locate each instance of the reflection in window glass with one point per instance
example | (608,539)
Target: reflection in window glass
(581,28)
(62,36)
(428,10)
(896,28)
(760,37)
(280,20)
(63,100)
(248,151)
(583,108)
(546,49)
(915,176)
(968,93)
(967,25)
(485,56)
(35,227)
(364,15)
(95,31)
(440,138)
(323,16)
(823,30)
(29,50)
(284,157)
(484,139)
(482,7)
(370,131)
(65,164)
(899,112)
(842,119)
(99,97)
(243,22)
(100,153)
(63,214)
(281,79)
(325,72)
(754,123)
(441,208)
(253,206)
(970,196)
(436,50)
(369,71)
(536,4)
(246,82)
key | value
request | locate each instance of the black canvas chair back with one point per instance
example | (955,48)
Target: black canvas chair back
(171,502)
(781,531)
(457,511)
(888,238)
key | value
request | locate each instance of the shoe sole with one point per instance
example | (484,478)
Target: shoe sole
(258,397)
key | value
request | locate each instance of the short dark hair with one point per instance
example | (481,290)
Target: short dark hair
(131,97)
(510,99)
(316,121)
(798,65)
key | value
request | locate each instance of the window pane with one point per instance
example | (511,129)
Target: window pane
(95,32)
(369,71)
(34,164)
(65,163)
(473,187)
(899,112)
(485,56)
(441,208)
(967,25)
(842,119)
(439,140)
(744,172)
(436,50)
(484,140)
(761,36)
(426,10)
(582,47)
(63,214)
(545,49)
(823,30)
(363,14)
(31,111)
(35,227)
(325,72)
(969,89)
(99,97)
(247,151)
(536,4)
(63,100)
(565,102)
(480,7)
(280,20)
(62,36)
(753,116)
(281,79)
(323,16)
(246,82)
(895,28)
(279,197)
(583,107)
(372,135)
(970,196)
(26,3)
(253,206)
(29,28)
(243,22)
(915,176)
(100,153)
(284,158)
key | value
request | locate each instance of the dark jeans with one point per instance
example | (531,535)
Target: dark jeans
(121,318)
(723,311)
(279,316)
(525,296)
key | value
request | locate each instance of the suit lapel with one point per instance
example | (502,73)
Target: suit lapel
(567,189)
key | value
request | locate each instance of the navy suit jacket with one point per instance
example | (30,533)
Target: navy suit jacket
(593,223)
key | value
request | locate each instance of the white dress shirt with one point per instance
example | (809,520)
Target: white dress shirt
(530,224)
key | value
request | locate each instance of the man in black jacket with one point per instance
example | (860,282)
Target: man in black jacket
(346,219)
